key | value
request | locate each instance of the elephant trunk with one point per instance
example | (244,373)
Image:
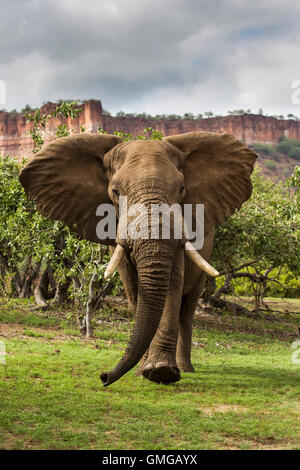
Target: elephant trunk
(154,271)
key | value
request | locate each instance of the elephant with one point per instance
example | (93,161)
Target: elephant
(71,176)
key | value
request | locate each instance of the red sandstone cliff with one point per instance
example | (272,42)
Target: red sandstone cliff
(15,138)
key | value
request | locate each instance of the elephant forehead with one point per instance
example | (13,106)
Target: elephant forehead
(132,159)
(152,149)
(153,170)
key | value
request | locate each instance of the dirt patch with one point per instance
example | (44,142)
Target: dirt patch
(228,323)
(232,443)
(211,410)
(13,330)
(7,440)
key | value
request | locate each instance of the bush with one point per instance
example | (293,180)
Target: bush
(295,153)
(288,286)
(270,165)
(261,241)
(266,150)
(291,147)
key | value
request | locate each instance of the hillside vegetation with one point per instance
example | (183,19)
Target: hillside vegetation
(277,162)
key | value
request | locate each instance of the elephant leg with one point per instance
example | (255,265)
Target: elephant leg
(194,281)
(187,312)
(143,361)
(159,363)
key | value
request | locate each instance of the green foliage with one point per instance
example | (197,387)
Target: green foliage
(239,112)
(174,116)
(266,150)
(270,165)
(290,147)
(39,121)
(294,183)
(264,234)
(62,130)
(286,284)
(292,116)
(17,216)
(27,108)
(65,109)
(189,116)
(148,134)
(295,153)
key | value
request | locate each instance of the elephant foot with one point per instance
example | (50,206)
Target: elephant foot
(186,367)
(184,363)
(144,360)
(161,372)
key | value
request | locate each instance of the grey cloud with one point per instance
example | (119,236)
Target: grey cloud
(171,56)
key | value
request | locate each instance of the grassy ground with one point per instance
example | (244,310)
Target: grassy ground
(245,393)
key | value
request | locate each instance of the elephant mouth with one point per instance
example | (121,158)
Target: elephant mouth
(190,251)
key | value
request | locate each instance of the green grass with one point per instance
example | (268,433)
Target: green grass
(245,393)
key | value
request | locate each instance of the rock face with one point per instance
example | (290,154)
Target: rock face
(15,138)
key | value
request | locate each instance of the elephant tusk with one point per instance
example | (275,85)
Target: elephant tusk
(114,262)
(199,261)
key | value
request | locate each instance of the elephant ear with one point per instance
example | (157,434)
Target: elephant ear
(217,173)
(67,181)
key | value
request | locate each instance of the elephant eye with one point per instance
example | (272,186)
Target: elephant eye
(182,188)
(116,192)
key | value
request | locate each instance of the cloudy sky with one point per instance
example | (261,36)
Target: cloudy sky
(154,56)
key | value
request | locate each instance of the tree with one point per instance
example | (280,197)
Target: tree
(188,116)
(27,108)
(262,239)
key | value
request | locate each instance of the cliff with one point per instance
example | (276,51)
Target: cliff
(15,136)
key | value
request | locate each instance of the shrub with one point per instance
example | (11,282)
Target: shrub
(295,153)
(287,286)
(291,147)
(266,150)
(270,165)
